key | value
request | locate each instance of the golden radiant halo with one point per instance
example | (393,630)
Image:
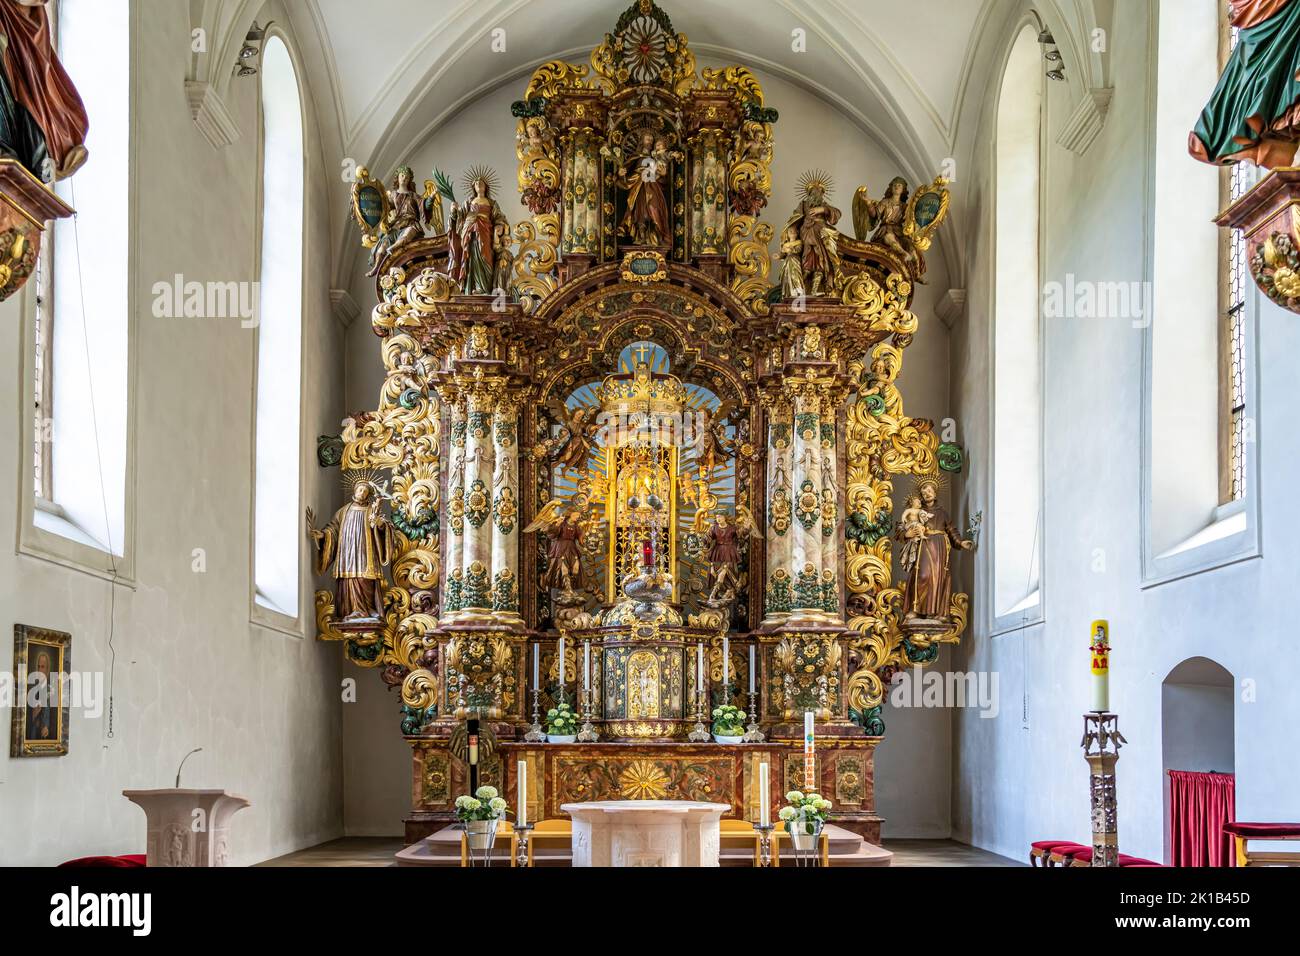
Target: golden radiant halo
(814,178)
(938,481)
(367,476)
(477,172)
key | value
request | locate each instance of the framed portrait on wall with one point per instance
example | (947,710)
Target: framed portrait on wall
(40,707)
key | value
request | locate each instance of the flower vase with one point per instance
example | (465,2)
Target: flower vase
(561,738)
(801,838)
(727,739)
(481,836)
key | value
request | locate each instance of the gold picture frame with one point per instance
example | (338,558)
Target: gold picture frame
(39,723)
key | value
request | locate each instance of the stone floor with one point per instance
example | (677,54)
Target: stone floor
(378,851)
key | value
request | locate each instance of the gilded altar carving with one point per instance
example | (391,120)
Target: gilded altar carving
(649,444)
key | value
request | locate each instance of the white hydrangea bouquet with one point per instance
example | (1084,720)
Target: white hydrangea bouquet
(728,721)
(485,804)
(560,721)
(805,812)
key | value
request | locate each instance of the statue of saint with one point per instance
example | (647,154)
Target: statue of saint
(42,119)
(712,446)
(791,265)
(565,528)
(886,216)
(405,220)
(814,223)
(929,538)
(646,221)
(476,236)
(725,538)
(358,541)
(1254,111)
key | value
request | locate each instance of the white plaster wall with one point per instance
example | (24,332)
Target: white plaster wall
(1020,779)
(191,670)
(912,776)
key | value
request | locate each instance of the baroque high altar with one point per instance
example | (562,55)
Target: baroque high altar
(630,432)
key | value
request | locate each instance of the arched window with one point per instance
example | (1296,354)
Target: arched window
(1017,375)
(1198,511)
(277,533)
(81,306)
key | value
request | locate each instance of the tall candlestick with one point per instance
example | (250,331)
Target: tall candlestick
(764,796)
(521,817)
(1099,651)
(536,664)
(809,778)
(561,664)
(751,668)
(726,663)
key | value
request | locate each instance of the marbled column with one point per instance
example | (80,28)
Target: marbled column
(476,561)
(581,194)
(830,493)
(454,598)
(806,529)
(778,590)
(505,510)
(708,194)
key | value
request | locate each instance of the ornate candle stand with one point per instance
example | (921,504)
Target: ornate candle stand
(536,732)
(587,732)
(1101,743)
(764,843)
(521,848)
(700,733)
(752,734)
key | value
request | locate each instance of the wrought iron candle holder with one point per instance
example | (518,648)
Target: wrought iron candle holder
(1101,743)
(752,734)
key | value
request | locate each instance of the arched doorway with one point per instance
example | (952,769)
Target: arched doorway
(1198,745)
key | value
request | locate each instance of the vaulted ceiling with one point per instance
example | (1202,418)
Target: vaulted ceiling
(385,74)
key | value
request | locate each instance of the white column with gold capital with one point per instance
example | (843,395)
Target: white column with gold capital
(505,511)
(830,514)
(476,562)
(806,546)
(453,598)
(777,592)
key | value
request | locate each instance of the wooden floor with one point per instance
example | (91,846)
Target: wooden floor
(378,851)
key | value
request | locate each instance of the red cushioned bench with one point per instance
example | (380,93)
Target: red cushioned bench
(129,860)
(1243,832)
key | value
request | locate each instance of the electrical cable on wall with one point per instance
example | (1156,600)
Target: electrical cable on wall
(99,462)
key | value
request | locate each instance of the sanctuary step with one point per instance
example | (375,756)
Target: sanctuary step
(443,848)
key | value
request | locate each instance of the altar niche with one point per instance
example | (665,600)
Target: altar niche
(641,474)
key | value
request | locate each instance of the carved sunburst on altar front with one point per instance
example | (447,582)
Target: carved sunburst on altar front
(643,780)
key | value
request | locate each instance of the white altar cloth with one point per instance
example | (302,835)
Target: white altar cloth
(646,832)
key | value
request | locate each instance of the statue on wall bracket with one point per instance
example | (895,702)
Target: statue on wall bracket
(928,538)
(358,543)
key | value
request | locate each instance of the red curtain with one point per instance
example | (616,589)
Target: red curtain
(1199,805)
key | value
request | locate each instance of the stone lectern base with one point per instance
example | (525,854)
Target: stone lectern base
(187,827)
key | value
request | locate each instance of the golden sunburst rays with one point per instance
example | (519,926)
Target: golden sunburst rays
(479,172)
(376,479)
(816,180)
(939,482)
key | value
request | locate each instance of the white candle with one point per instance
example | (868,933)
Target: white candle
(764,796)
(561,663)
(536,665)
(522,816)
(586,665)
(726,663)
(699,668)
(809,778)
(751,672)
(1099,653)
